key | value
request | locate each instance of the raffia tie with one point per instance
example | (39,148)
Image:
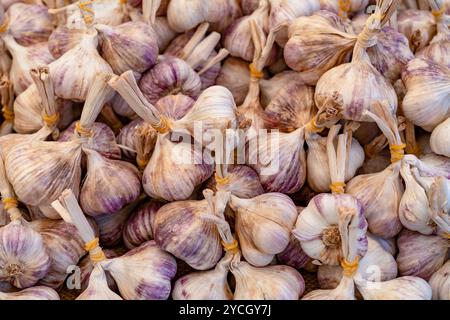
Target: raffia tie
(338,187)
(84,132)
(438,14)
(163,126)
(350,268)
(50,121)
(88,13)
(222,181)
(4,26)
(8,115)
(255,73)
(124,2)
(344,8)
(312,126)
(367,38)
(397,152)
(95,252)
(9,203)
(446,235)
(415,150)
(231,247)
(141,163)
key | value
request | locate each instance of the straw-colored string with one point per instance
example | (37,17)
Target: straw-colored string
(95,252)
(4,26)
(254,72)
(338,187)
(350,268)
(9,203)
(397,152)
(84,132)
(164,125)
(50,121)
(7,114)
(231,247)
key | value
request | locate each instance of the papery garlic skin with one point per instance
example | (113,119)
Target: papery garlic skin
(420,255)
(40,177)
(267,283)
(87,266)
(98,287)
(440,139)
(23,257)
(109,185)
(418,26)
(344,291)
(293,255)
(111,226)
(25,59)
(426,103)
(139,226)
(179,229)
(317,227)
(380,194)
(126,138)
(333,5)
(164,33)
(33,293)
(74,72)
(131,45)
(440,283)
(143,273)
(439,48)
(403,288)
(158,179)
(235,77)
(29,23)
(356,95)
(64,38)
(192,286)
(263,225)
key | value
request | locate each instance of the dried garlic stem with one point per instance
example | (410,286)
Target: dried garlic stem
(8,196)
(198,36)
(109,116)
(375,146)
(348,229)
(412,147)
(338,160)
(7,103)
(203,50)
(149,9)
(328,114)
(145,140)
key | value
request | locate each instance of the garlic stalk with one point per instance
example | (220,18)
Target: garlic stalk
(152,268)
(25,59)
(380,193)
(6,101)
(33,293)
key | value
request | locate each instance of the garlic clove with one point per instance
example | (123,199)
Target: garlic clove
(33,293)
(440,283)
(126,138)
(29,23)
(131,45)
(293,255)
(266,283)
(139,226)
(23,256)
(109,185)
(403,288)
(439,141)
(98,287)
(143,273)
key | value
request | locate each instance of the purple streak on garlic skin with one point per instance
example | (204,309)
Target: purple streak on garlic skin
(420,255)
(293,255)
(29,23)
(126,137)
(170,76)
(175,106)
(63,39)
(103,140)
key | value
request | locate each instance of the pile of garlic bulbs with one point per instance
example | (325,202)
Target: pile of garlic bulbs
(252,141)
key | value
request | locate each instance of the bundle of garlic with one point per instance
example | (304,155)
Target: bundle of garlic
(380,193)
(317,226)
(176,72)
(143,273)
(24,258)
(33,293)
(214,109)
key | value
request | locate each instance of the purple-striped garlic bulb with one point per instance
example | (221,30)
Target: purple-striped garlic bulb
(153,268)
(33,293)
(440,283)
(418,26)
(380,193)
(25,59)
(109,185)
(29,23)
(263,225)
(126,138)
(139,226)
(129,46)
(426,103)
(183,229)
(235,77)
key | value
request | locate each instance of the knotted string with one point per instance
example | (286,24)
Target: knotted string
(95,252)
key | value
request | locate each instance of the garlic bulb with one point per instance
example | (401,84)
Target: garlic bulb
(29,23)
(403,288)
(266,283)
(344,291)
(263,225)
(271,87)
(139,226)
(426,103)
(191,286)
(97,288)
(343,10)
(109,185)
(7,101)
(25,59)
(33,293)
(420,255)
(143,273)
(440,283)
(127,138)
(131,45)
(380,193)
(293,255)
(418,26)
(439,141)
(235,77)
(85,59)
(182,229)
(64,246)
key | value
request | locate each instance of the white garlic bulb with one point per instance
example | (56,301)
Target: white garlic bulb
(263,225)
(97,288)
(33,293)
(426,103)
(440,283)
(440,141)
(344,291)
(403,288)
